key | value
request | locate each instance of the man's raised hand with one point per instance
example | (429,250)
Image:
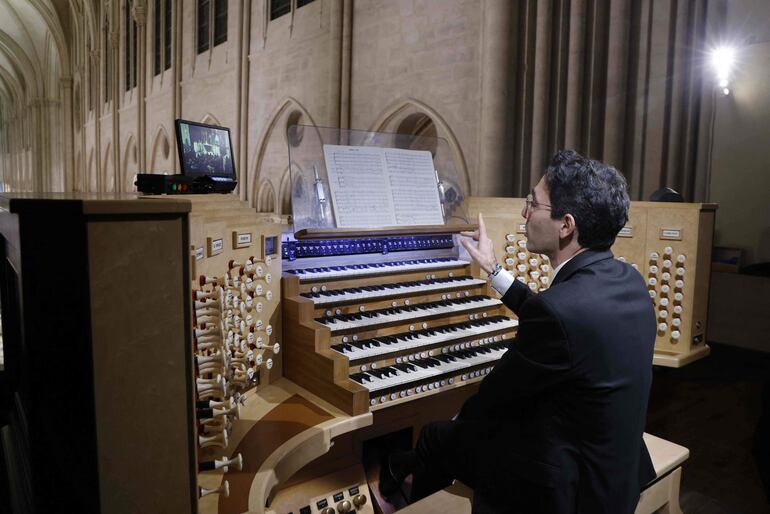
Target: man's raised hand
(483,252)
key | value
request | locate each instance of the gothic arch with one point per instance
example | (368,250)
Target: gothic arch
(397,112)
(93,183)
(130,165)
(210,119)
(108,168)
(161,151)
(284,195)
(78,175)
(266,197)
(286,108)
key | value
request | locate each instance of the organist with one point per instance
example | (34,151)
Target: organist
(557,425)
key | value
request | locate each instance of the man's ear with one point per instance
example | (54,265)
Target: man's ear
(568,226)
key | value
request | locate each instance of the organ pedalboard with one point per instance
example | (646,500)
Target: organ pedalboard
(378,321)
(668,243)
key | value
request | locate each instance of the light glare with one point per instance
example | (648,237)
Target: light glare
(723,59)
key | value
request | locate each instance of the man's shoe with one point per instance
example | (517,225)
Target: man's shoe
(394,468)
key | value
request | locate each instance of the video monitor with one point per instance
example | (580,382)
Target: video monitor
(204,150)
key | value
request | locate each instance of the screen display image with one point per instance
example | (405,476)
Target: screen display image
(204,149)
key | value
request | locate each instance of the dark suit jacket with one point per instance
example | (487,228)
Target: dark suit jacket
(565,406)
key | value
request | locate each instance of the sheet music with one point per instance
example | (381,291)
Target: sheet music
(361,195)
(380,187)
(413,184)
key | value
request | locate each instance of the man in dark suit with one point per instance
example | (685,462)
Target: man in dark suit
(557,425)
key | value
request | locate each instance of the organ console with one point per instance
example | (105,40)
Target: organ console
(230,364)
(372,330)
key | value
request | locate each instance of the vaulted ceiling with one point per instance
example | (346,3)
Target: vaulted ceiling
(33,50)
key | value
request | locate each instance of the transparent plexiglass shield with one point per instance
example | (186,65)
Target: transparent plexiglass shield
(311,196)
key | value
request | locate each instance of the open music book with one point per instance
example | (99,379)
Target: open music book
(380,187)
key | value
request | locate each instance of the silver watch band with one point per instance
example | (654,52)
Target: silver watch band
(495,270)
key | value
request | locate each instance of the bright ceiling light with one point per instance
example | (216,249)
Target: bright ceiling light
(723,60)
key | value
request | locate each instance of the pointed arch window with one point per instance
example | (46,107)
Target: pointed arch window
(130,39)
(107,61)
(211,23)
(161,35)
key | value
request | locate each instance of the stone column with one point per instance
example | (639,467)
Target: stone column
(492,167)
(335,61)
(242,107)
(140,16)
(68,134)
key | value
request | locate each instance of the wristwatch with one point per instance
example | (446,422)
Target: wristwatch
(495,270)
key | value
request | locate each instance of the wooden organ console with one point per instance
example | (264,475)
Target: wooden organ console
(230,367)
(668,243)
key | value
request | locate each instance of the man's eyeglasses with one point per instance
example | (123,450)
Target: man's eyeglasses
(533,205)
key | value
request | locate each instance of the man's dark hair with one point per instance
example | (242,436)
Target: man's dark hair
(594,193)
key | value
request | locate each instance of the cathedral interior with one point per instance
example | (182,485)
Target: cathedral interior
(224,353)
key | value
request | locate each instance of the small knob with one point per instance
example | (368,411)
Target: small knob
(328,510)
(359,500)
(344,506)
